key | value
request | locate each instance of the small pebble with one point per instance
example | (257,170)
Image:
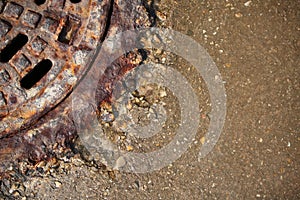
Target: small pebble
(161,16)
(129,148)
(202,140)
(238,15)
(247,3)
(228,65)
(162,93)
(58,184)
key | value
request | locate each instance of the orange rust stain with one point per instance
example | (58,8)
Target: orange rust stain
(28,114)
(75,69)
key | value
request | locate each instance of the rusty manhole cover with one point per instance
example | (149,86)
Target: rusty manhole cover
(45,48)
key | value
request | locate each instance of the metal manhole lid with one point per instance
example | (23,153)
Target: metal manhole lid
(44,49)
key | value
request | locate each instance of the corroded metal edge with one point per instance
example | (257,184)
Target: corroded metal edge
(70,60)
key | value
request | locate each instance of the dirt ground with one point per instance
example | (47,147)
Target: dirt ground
(256,47)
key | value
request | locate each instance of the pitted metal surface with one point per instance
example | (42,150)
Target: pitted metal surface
(45,48)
